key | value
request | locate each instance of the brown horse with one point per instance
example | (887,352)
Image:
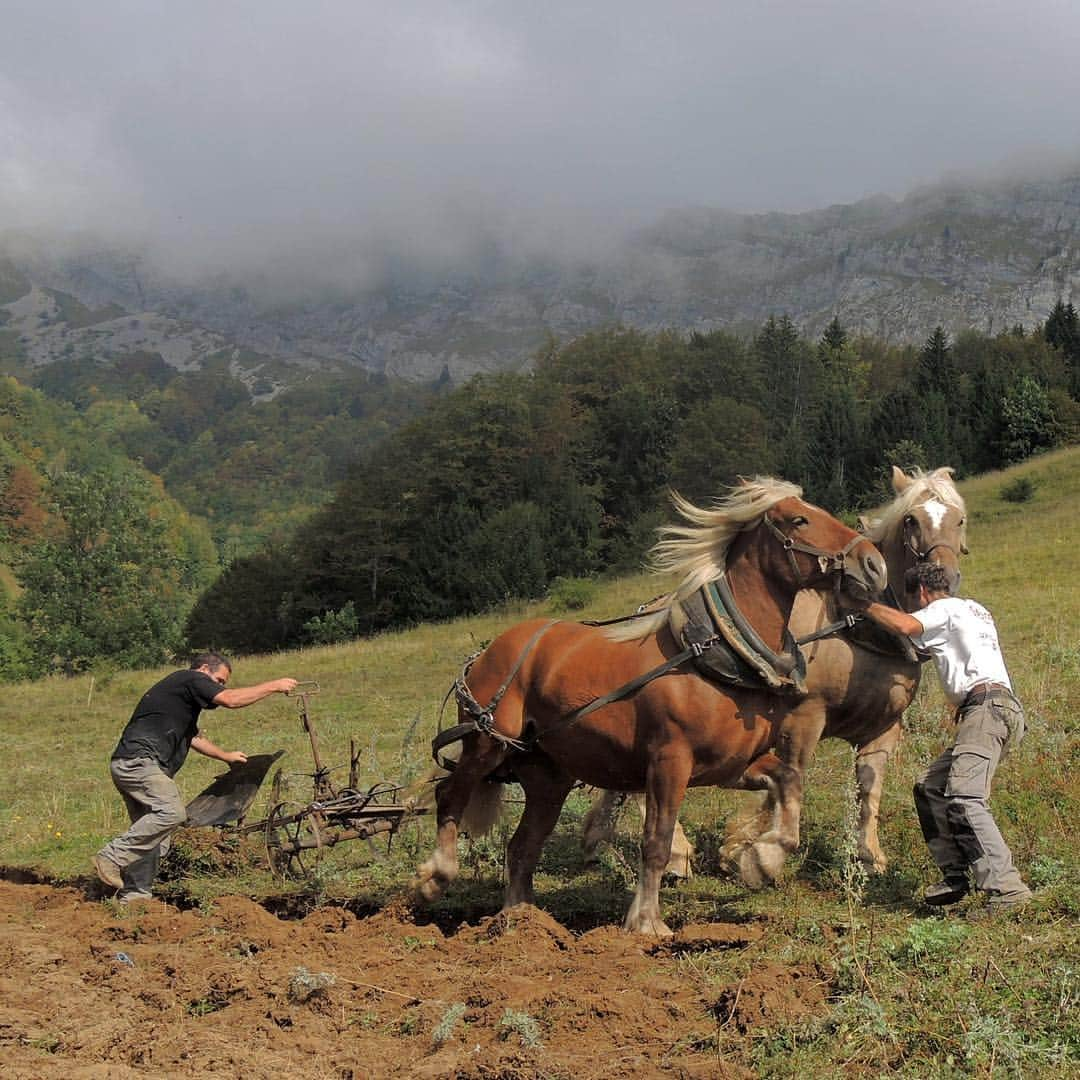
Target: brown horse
(858,689)
(567,702)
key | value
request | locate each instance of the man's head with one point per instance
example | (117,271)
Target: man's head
(214,664)
(931,577)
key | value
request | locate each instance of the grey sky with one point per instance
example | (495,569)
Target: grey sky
(280,132)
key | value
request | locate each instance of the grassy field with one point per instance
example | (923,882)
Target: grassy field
(916,993)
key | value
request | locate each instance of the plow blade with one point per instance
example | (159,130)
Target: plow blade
(227,799)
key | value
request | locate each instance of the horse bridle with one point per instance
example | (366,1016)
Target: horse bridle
(834,562)
(922,555)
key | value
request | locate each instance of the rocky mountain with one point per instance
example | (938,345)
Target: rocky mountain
(958,255)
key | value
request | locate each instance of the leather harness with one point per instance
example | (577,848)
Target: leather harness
(746,660)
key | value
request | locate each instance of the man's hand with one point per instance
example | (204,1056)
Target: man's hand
(286,686)
(856,601)
(235,757)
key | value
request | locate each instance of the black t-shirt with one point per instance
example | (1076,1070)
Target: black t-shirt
(167,719)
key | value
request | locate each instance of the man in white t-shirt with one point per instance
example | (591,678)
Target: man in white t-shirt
(952,796)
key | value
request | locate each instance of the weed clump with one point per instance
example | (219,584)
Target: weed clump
(445,1027)
(522,1025)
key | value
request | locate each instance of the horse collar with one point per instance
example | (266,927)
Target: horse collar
(776,669)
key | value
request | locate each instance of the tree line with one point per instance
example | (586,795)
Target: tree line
(516,480)
(128,490)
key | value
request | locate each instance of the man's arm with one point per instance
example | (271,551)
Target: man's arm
(204,746)
(240,696)
(899,622)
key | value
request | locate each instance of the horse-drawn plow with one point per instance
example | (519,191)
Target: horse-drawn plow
(296,833)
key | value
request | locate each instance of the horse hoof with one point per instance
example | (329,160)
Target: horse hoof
(650,928)
(874,864)
(429,884)
(432,890)
(760,865)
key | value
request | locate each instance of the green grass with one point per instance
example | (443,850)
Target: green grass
(914,993)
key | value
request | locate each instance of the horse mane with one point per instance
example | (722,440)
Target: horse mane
(924,485)
(697,551)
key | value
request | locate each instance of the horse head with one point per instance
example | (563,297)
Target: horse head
(821,551)
(930,526)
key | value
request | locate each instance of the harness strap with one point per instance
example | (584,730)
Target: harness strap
(624,691)
(482,717)
(459,731)
(470,703)
(848,622)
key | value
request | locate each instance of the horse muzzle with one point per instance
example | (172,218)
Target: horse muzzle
(865,573)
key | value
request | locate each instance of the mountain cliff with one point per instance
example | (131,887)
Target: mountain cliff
(958,255)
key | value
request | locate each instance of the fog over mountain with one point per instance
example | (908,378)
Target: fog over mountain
(328,141)
(416,185)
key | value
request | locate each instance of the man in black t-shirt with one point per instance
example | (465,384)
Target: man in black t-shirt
(153,746)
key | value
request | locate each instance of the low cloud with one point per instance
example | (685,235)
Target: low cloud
(331,142)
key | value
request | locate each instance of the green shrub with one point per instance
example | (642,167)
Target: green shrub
(571,594)
(522,1025)
(1022,489)
(333,627)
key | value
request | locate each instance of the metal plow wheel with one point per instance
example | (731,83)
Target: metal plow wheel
(294,840)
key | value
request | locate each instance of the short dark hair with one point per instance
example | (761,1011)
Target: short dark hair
(212,660)
(934,577)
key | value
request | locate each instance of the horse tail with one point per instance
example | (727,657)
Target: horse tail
(484,809)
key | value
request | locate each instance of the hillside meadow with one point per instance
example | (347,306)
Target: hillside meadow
(906,990)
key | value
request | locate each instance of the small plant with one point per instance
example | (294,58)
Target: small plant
(522,1025)
(571,594)
(445,1027)
(1020,490)
(204,1006)
(929,941)
(1046,871)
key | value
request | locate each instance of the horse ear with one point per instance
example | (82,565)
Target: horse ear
(900,479)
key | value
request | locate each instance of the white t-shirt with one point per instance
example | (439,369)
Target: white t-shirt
(961,637)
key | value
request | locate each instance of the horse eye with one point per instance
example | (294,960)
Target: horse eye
(910,520)
(799,522)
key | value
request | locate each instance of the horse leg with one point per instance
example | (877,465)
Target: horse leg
(546,786)
(761,859)
(870,762)
(480,756)
(758,843)
(664,791)
(598,828)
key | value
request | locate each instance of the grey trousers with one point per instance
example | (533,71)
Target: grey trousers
(156,809)
(952,796)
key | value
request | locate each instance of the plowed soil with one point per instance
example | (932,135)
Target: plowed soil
(91,990)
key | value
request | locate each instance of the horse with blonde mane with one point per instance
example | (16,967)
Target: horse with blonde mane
(858,686)
(557,702)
